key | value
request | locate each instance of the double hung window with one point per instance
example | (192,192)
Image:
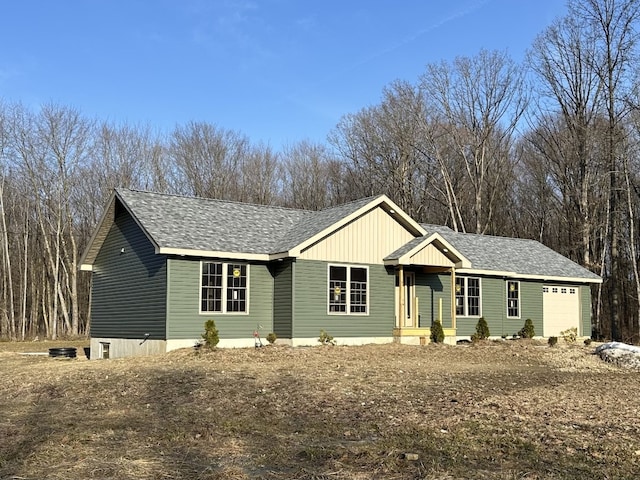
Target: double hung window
(468,296)
(513,299)
(223,287)
(348,289)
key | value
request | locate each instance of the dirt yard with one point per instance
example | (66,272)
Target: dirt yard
(508,410)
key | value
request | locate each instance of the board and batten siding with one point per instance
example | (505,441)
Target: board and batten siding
(585,311)
(311,303)
(184,320)
(282,273)
(367,240)
(494,308)
(431,255)
(430,288)
(128,285)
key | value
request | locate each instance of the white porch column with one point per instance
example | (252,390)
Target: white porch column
(453,297)
(400,297)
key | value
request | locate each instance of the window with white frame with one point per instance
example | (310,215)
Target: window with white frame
(223,287)
(467,296)
(513,299)
(348,289)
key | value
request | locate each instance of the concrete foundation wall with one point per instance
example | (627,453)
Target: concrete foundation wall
(125,347)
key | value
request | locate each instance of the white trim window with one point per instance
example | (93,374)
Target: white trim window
(224,287)
(468,295)
(513,299)
(348,288)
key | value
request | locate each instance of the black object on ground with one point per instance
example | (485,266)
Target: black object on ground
(63,352)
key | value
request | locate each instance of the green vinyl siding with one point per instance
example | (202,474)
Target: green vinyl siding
(530,307)
(311,296)
(494,308)
(585,309)
(128,290)
(184,319)
(430,288)
(283,298)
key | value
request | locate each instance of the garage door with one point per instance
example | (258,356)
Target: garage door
(561,309)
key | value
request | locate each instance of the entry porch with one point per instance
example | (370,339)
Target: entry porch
(425,278)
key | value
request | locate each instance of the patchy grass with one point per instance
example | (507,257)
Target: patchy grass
(509,410)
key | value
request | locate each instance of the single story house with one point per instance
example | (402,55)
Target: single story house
(365,272)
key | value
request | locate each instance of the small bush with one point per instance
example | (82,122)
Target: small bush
(552,341)
(482,330)
(210,335)
(272,337)
(326,339)
(570,335)
(587,342)
(437,333)
(528,331)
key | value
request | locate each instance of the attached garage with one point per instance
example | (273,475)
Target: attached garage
(561,309)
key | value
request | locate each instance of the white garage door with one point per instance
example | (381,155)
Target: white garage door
(561,309)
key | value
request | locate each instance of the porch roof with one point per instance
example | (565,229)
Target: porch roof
(428,250)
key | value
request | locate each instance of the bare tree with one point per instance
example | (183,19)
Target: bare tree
(613,26)
(259,176)
(7,303)
(307,176)
(561,58)
(208,160)
(51,148)
(379,145)
(480,100)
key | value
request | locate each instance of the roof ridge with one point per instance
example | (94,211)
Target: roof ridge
(494,236)
(238,202)
(358,200)
(218,200)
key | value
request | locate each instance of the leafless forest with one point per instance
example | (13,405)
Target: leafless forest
(545,149)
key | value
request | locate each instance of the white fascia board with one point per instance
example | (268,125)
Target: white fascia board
(280,256)
(495,273)
(398,211)
(462,261)
(544,278)
(185,252)
(547,278)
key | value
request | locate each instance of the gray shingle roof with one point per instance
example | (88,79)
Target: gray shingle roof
(407,247)
(217,225)
(505,254)
(210,225)
(192,223)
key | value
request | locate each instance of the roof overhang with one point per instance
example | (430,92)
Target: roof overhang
(99,235)
(544,278)
(381,201)
(457,259)
(104,225)
(184,252)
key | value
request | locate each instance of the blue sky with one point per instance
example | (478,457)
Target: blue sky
(278,71)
